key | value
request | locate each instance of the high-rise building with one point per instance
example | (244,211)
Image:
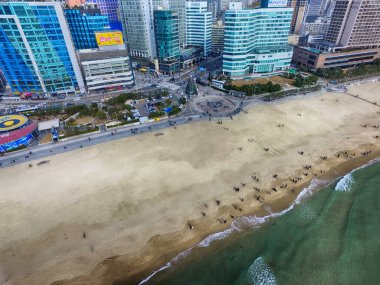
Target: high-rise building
(3,82)
(198,25)
(72,3)
(36,51)
(107,8)
(83,22)
(353,37)
(179,6)
(138,26)
(256,41)
(167,40)
(212,6)
(299,7)
(313,9)
(217,37)
(355,24)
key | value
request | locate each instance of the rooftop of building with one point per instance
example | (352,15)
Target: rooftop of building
(108,31)
(92,10)
(98,54)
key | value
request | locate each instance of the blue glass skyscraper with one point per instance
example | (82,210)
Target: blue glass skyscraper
(167,40)
(83,23)
(109,9)
(36,51)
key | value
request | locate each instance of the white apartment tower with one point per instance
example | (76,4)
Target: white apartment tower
(198,25)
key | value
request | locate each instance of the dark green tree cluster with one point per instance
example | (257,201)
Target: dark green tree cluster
(122,98)
(156,114)
(182,100)
(331,73)
(255,89)
(302,82)
(356,72)
(174,111)
(83,110)
(50,111)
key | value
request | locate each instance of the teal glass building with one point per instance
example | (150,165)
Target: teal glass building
(36,51)
(256,42)
(167,40)
(83,23)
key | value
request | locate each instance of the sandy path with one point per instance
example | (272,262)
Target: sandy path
(134,197)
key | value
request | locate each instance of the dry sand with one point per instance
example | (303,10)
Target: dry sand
(133,198)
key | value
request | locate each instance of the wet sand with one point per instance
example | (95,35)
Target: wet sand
(115,212)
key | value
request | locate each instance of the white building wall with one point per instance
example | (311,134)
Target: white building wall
(198,25)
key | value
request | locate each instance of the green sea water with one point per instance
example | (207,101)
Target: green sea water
(333,237)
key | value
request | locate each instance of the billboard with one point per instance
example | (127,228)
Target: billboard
(109,38)
(277,3)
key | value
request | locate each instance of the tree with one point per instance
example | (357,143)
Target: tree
(182,100)
(298,82)
(100,115)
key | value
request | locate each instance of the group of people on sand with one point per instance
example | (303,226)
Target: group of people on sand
(261,199)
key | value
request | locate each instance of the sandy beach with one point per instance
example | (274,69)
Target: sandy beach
(113,213)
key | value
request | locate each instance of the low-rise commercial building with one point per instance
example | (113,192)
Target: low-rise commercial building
(109,66)
(190,56)
(314,59)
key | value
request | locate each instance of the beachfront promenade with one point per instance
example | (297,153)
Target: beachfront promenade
(82,141)
(86,140)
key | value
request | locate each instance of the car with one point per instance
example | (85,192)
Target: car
(172,79)
(153,85)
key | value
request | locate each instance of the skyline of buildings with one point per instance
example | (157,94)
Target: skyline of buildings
(254,41)
(352,38)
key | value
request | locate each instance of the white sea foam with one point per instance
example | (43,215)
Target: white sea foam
(344,185)
(239,224)
(167,265)
(259,273)
(249,222)
(217,236)
(307,212)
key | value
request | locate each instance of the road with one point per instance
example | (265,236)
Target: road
(83,141)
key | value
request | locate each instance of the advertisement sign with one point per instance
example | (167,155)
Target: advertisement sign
(109,38)
(277,3)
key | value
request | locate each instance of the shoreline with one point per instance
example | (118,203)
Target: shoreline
(328,177)
(116,212)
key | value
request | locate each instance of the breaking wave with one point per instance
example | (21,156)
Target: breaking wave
(259,273)
(344,184)
(242,223)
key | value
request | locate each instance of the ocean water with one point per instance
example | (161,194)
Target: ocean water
(333,237)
